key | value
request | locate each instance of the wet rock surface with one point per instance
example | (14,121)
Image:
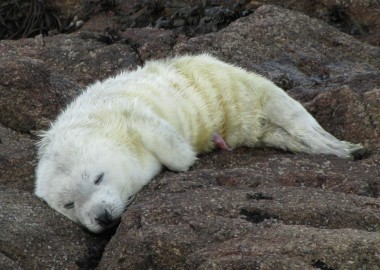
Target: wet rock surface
(245,209)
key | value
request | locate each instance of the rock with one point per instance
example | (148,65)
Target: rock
(64,65)
(37,93)
(150,43)
(6,263)
(346,115)
(357,18)
(17,160)
(197,220)
(273,168)
(279,43)
(81,57)
(269,248)
(100,23)
(33,237)
(192,18)
(371,101)
(147,43)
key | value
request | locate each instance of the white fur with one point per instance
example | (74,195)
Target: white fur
(164,113)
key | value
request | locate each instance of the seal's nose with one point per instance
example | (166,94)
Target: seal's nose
(104,219)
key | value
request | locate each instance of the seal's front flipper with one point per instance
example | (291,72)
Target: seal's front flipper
(169,147)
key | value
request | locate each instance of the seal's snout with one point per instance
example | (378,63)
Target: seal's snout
(105,219)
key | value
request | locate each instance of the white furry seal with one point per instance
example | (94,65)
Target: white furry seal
(115,137)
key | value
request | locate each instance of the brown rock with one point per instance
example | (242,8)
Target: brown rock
(150,43)
(17,161)
(358,18)
(64,65)
(344,108)
(194,221)
(372,101)
(310,52)
(31,93)
(81,57)
(7,263)
(33,237)
(269,247)
(100,23)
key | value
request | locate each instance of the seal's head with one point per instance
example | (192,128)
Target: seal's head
(89,181)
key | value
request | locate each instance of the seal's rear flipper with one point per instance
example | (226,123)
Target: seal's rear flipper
(357,151)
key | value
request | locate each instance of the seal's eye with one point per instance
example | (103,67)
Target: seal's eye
(130,200)
(69,205)
(99,179)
